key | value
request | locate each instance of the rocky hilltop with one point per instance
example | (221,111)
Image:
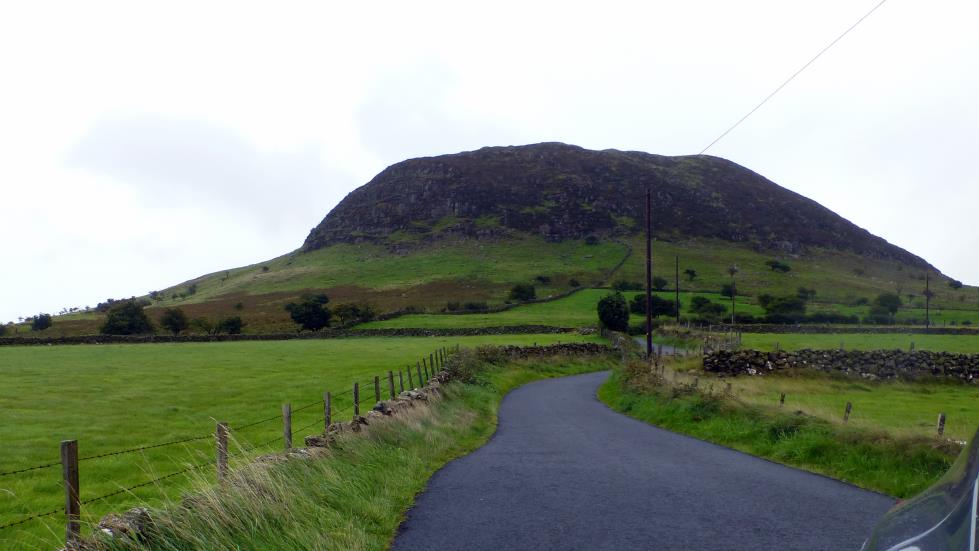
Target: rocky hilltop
(563,191)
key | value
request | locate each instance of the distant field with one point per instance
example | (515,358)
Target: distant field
(113,397)
(578,310)
(900,408)
(964,344)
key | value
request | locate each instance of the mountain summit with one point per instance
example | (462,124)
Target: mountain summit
(562,191)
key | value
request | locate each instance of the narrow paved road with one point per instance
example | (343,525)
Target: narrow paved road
(565,472)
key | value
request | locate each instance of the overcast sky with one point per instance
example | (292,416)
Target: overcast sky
(143,144)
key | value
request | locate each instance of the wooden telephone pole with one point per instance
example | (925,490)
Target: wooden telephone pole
(676,284)
(649,275)
(927,300)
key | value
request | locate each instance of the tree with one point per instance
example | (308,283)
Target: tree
(889,302)
(623,285)
(777,266)
(522,292)
(613,313)
(690,273)
(3,329)
(41,322)
(787,306)
(955,284)
(702,306)
(362,312)
(728,290)
(311,313)
(230,325)
(174,320)
(127,318)
(204,325)
(660,306)
(807,295)
(659,283)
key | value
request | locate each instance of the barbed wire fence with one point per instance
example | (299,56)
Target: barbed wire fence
(424,370)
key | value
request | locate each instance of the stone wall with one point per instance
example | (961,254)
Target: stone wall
(325,334)
(847,329)
(877,364)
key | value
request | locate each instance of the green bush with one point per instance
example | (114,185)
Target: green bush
(174,320)
(127,318)
(613,312)
(231,325)
(522,292)
(660,306)
(41,322)
(311,313)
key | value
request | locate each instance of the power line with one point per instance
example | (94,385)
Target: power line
(791,78)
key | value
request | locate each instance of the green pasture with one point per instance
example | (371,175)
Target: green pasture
(962,344)
(577,310)
(115,397)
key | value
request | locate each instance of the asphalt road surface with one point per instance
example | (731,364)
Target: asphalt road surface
(565,472)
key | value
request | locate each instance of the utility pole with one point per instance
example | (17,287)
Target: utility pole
(733,270)
(677,287)
(649,274)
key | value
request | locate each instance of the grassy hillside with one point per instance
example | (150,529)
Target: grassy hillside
(427,276)
(125,396)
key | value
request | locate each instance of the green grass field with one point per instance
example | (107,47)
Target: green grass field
(898,407)
(114,397)
(577,310)
(962,344)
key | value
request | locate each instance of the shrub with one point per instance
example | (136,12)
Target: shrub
(311,313)
(41,322)
(3,329)
(522,292)
(702,306)
(728,290)
(451,306)
(574,283)
(691,274)
(622,285)
(475,306)
(806,294)
(889,302)
(360,312)
(659,283)
(174,320)
(231,325)
(191,289)
(127,318)
(777,266)
(613,312)
(660,306)
(788,306)
(543,279)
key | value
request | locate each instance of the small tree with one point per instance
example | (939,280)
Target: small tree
(890,302)
(174,320)
(311,313)
(41,322)
(702,306)
(806,294)
(613,312)
(362,312)
(777,266)
(231,325)
(127,318)
(3,329)
(522,292)
(691,274)
(573,283)
(659,283)
(728,290)
(660,306)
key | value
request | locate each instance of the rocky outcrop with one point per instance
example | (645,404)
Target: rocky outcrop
(877,364)
(561,191)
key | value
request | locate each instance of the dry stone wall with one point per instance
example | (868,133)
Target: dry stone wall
(877,364)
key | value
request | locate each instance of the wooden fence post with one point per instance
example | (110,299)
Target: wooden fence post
(418,366)
(411,382)
(401,380)
(377,389)
(221,435)
(941,424)
(73,506)
(846,413)
(391,383)
(781,400)
(287,425)
(327,411)
(356,400)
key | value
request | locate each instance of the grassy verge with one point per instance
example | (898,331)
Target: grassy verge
(354,496)
(896,465)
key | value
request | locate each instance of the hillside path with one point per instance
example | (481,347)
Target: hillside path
(565,472)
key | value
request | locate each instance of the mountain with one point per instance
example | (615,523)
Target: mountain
(561,192)
(467,227)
